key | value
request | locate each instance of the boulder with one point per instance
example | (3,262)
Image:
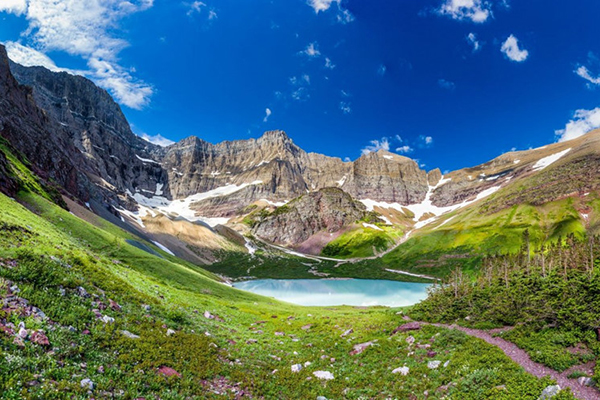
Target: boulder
(296,367)
(549,392)
(39,338)
(87,383)
(168,372)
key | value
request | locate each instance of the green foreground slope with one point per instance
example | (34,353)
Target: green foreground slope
(74,272)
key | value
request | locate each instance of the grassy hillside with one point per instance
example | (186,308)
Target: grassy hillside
(80,277)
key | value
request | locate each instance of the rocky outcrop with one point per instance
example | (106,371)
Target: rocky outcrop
(329,209)
(92,130)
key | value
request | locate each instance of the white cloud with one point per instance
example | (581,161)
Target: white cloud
(511,49)
(300,94)
(312,50)
(83,28)
(157,139)
(321,5)
(383,144)
(381,70)
(404,149)
(587,75)
(448,85)
(212,15)
(267,114)
(427,139)
(195,7)
(329,64)
(472,39)
(583,121)
(29,57)
(13,6)
(345,107)
(344,16)
(477,11)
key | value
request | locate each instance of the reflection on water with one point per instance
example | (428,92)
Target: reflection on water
(330,292)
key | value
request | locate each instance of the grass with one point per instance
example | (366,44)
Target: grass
(362,242)
(54,251)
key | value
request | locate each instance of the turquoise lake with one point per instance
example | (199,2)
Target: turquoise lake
(335,292)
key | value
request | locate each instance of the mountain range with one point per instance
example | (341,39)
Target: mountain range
(201,198)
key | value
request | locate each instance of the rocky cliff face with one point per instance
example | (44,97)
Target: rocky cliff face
(329,209)
(87,119)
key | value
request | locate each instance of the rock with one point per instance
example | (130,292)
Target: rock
(306,327)
(446,363)
(168,372)
(585,381)
(23,333)
(402,371)
(549,392)
(279,334)
(130,335)
(82,292)
(208,315)
(296,367)
(433,364)
(170,332)
(359,348)
(114,305)
(146,307)
(325,375)
(39,338)
(306,364)
(431,354)
(14,289)
(321,398)
(410,340)
(411,326)
(87,384)
(108,320)
(251,341)
(349,331)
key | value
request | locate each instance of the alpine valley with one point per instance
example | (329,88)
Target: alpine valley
(116,255)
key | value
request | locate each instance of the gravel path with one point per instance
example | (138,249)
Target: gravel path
(522,358)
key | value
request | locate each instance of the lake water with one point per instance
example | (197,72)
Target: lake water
(335,292)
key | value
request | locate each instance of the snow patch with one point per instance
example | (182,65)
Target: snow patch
(276,204)
(159,187)
(546,161)
(372,226)
(517,161)
(342,181)
(388,157)
(163,248)
(426,207)
(182,207)
(146,160)
(251,249)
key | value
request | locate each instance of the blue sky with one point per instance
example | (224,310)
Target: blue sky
(452,83)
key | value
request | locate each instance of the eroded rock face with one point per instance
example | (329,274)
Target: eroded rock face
(329,209)
(91,130)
